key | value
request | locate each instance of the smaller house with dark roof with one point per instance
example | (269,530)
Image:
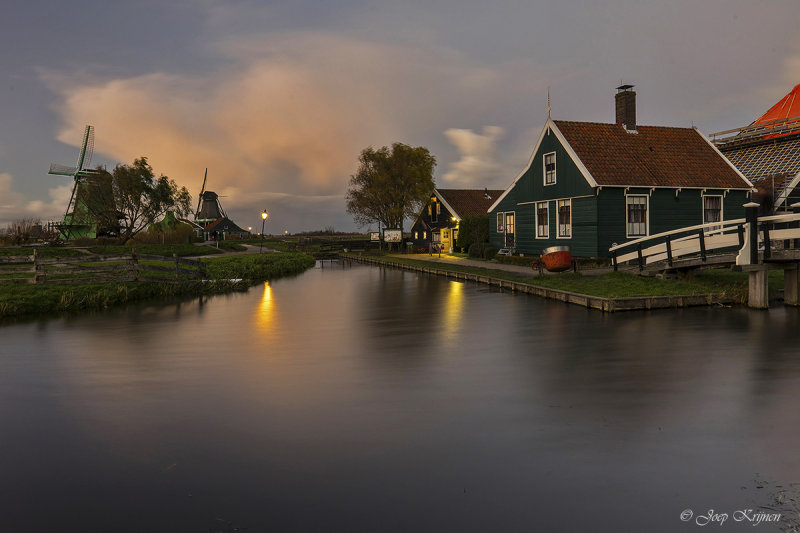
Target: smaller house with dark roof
(438,222)
(590,185)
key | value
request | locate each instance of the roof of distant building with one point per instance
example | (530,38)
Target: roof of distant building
(225,225)
(469,202)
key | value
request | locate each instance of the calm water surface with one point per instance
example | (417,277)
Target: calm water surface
(362,399)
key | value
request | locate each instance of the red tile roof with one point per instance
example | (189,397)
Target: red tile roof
(654,156)
(468,202)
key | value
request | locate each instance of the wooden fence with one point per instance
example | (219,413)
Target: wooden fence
(99,268)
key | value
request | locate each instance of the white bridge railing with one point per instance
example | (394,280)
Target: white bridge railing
(704,238)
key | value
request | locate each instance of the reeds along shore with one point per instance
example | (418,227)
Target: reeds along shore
(28,300)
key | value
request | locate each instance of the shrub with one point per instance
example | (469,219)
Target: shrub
(489,251)
(472,229)
(476,249)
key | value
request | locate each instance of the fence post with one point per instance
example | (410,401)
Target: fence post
(614,259)
(740,231)
(751,216)
(767,243)
(36,267)
(133,266)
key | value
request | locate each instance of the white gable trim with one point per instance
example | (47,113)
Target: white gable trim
(548,126)
(788,190)
(449,208)
(575,159)
(747,181)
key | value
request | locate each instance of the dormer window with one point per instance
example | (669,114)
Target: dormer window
(549,162)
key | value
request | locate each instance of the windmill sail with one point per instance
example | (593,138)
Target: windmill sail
(200,198)
(75,214)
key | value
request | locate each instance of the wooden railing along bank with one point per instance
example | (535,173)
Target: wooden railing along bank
(99,269)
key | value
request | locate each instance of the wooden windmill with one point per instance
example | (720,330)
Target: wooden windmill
(77,220)
(208,207)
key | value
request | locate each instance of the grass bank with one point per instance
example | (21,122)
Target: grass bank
(619,284)
(19,300)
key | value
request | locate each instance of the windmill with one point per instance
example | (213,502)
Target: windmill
(208,207)
(77,213)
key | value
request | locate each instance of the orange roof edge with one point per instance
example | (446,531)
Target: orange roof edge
(787,107)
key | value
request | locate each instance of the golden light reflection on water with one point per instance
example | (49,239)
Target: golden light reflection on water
(453,309)
(265,317)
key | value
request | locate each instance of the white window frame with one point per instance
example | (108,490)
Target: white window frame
(559,203)
(546,206)
(544,169)
(501,222)
(436,237)
(628,234)
(721,210)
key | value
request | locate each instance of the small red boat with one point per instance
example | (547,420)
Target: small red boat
(557,258)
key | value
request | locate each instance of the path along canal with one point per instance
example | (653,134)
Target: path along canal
(356,398)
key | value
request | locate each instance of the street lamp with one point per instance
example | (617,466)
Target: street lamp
(264,216)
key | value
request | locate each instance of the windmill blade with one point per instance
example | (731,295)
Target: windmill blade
(86,147)
(62,170)
(200,197)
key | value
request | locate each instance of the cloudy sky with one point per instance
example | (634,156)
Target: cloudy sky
(277,99)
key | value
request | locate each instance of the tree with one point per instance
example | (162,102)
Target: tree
(472,229)
(390,185)
(139,198)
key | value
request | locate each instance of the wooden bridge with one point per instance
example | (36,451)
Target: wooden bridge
(752,244)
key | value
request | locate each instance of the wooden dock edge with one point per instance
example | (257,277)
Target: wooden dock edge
(608,305)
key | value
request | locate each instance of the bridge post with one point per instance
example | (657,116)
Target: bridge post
(796,210)
(758,289)
(702,236)
(751,216)
(669,250)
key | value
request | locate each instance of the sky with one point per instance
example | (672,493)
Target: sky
(277,99)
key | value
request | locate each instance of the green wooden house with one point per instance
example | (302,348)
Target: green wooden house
(591,185)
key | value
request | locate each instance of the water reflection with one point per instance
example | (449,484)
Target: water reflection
(452,312)
(265,316)
(366,399)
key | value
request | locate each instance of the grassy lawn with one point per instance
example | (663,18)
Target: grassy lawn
(621,284)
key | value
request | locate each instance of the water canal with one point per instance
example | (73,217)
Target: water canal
(363,399)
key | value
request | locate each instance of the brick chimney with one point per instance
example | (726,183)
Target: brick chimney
(626,107)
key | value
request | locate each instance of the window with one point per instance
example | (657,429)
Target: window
(435,214)
(500,226)
(424,234)
(416,235)
(564,218)
(542,221)
(455,234)
(636,216)
(430,209)
(509,222)
(550,168)
(436,236)
(712,210)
